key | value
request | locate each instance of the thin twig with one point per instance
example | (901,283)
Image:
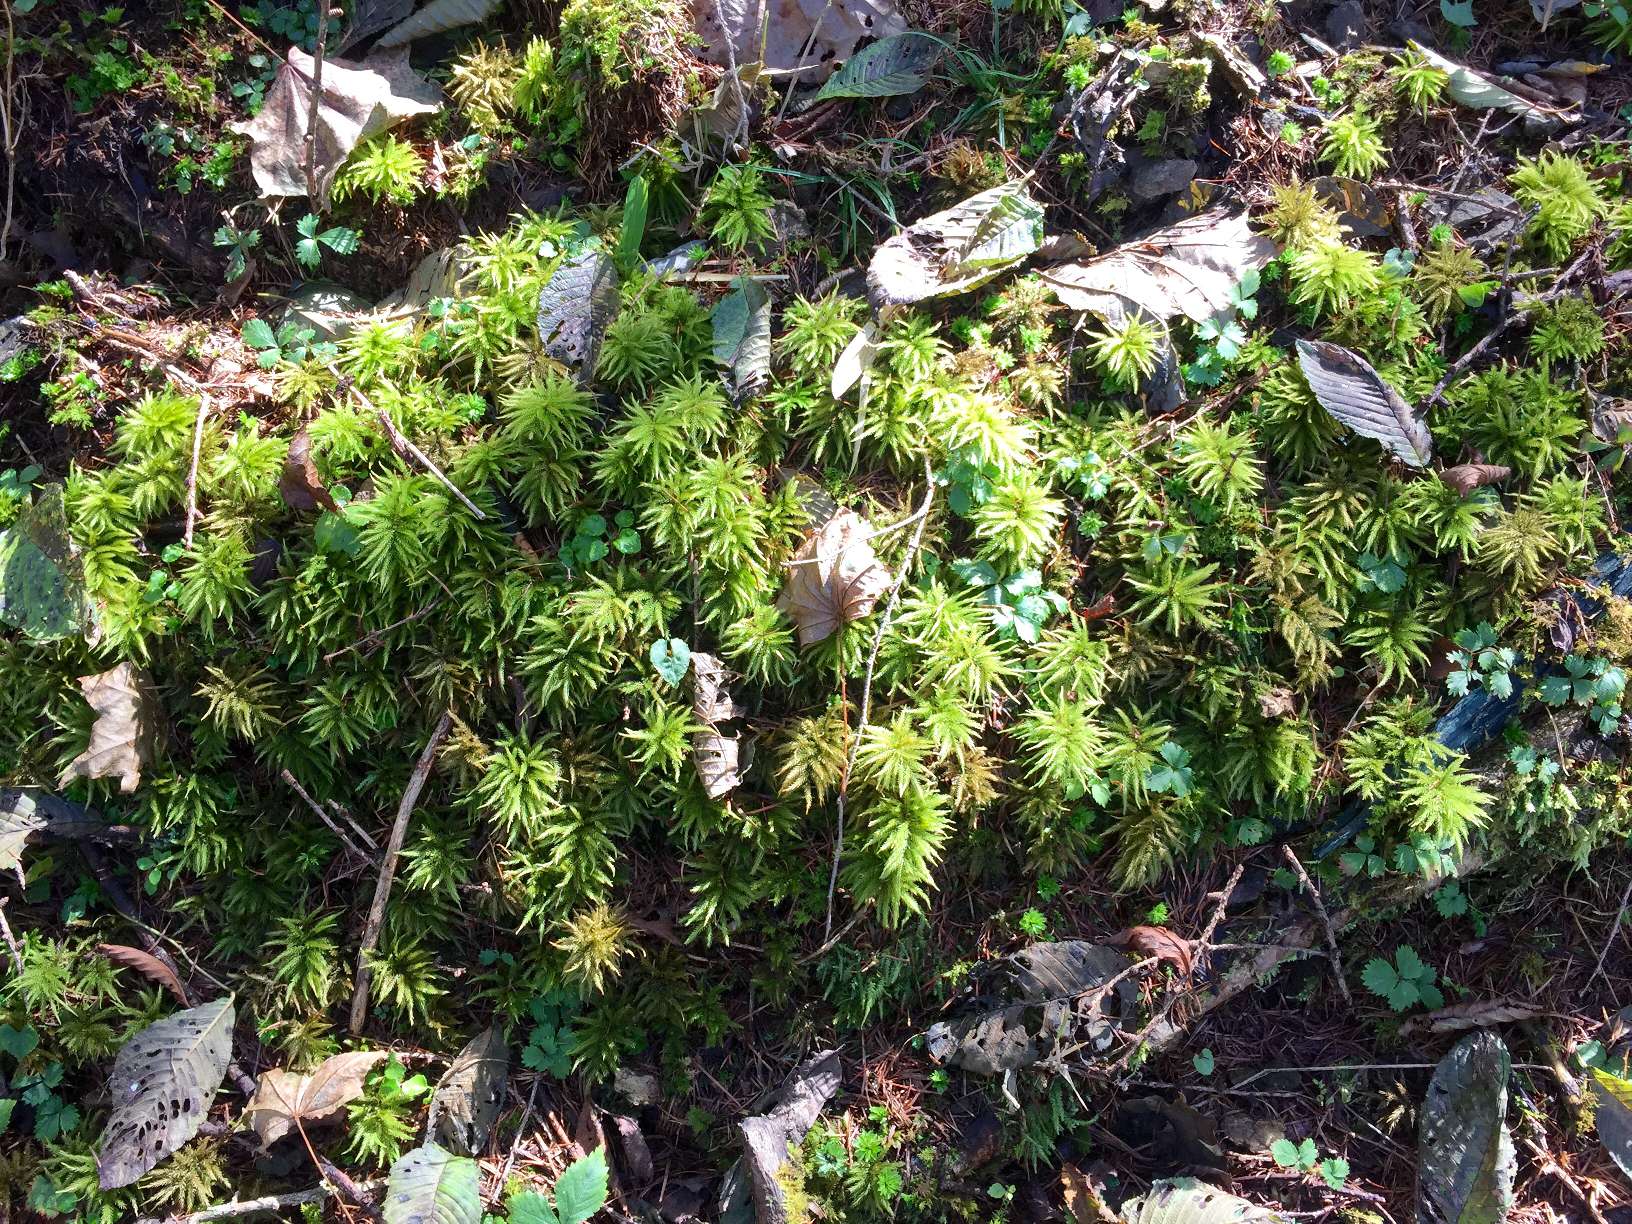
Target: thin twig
(1495,333)
(270,1203)
(521,1133)
(867,687)
(916,516)
(1614,931)
(345,838)
(388,868)
(315,107)
(9,131)
(1325,920)
(373,636)
(192,469)
(403,445)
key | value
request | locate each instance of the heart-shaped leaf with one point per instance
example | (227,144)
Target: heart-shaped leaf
(671,658)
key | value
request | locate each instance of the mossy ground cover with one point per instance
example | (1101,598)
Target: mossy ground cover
(771,633)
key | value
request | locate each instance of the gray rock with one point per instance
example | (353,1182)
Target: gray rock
(1155,179)
(1346,25)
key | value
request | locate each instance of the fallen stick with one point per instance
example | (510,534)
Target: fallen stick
(268,1203)
(388,869)
(192,468)
(1325,920)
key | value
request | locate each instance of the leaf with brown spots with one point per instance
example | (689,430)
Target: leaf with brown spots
(1156,941)
(1466,477)
(301,486)
(149,966)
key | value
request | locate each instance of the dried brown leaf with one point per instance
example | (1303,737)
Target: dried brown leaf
(284,1098)
(812,35)
(710,701)
(835,578)
(149,966)
(301,486)
(470,1094)
(1158,942)
(1466,477)
(1462,1016)
(125,731)
(1277,703)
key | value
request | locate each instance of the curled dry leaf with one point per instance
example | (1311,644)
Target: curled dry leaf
(803,38)
(834,578)
(360,100)
(470,1094)
(1277,703)
(710,700)
(1462,1016)
(149,966)
(1355,394)
(1466,477)
(855,361)
(1189,268)
(282,1098)
(719,762)
(1156,941)
(125,731)
(1481,91)
(438,17)
(301,486)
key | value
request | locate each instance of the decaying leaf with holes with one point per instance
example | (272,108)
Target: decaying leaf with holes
(162,1082)
(811,35)
(835,578)
(1466,1164)
(126,728)
(470,1094)
(1356,395)
(576,307)
(430,1185)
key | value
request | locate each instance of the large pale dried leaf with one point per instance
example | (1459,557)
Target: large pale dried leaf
(1465,1152)
(1466,477)
(1188,268)
(125,731)
(359,100)
(436,17)
(1183,1200)
(767,1138)
(470,1095)
(718,758)
(430,1185)
(1479,91)
(576,306)
(742,336)
(1355,394)
(162,1082)
(149,966)
(835,578)
(41,586)
(802,38)
(284,1098)
(955,250)
(301,486)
